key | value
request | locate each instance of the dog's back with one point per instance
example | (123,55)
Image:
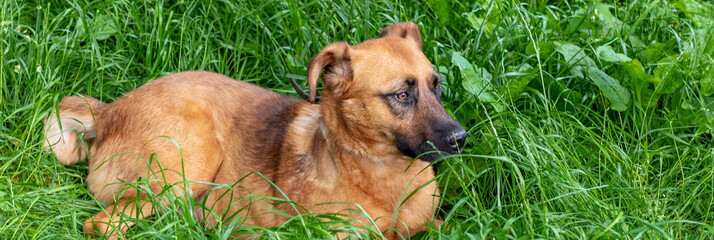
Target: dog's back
(176,129)
(187,116)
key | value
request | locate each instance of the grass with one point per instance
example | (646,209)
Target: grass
(586,120)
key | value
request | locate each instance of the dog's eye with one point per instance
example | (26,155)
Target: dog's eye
(402,96)
(436,78)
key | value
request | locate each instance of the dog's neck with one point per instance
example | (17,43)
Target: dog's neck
(342,131)
(318,157)
(340,151)
(356,170)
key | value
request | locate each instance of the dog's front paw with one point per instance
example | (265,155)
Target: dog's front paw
(90,229)
(99,229)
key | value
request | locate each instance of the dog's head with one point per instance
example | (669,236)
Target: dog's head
(385,92)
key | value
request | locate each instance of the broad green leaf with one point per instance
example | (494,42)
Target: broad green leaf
(618,95)
(545,48)
(701,110)
(652,54)
(101,26)
(488,17)
(477,81)
(636,71)
(705,120)
(671,78)
(81,28)
(635,42)
(705,55)
(705,38)
(478,23)
(573,54)
(579,22)
(648,98)
(575,57)
(686,104)
(104,27)
(707,82)
(577,71)
(704,125)
(518,79)
(700,14)
(603,12)
(659,50)
(610,24)
(607,54)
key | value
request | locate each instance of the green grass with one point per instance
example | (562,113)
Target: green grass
(585,120)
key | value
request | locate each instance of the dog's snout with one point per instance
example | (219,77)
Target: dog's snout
(456,140)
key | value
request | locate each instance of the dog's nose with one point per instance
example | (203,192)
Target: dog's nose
(455,141)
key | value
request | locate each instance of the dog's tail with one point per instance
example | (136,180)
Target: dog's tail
(75,121)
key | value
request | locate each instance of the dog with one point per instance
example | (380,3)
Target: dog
(370,140)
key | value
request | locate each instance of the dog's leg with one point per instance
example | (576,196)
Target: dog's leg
(184,149)
(396,229)
(109,223)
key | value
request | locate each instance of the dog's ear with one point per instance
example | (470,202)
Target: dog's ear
(407,30)
(335,60)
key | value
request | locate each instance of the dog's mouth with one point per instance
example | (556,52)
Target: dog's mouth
(430,154)
(431,151)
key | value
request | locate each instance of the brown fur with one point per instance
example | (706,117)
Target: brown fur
(354,146)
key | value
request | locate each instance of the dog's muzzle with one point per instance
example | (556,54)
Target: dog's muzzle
(456,141)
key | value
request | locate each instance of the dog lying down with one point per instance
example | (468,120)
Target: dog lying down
(380,109)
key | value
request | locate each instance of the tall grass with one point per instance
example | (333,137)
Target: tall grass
(567,139)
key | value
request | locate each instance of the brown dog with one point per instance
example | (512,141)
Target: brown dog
(380,109)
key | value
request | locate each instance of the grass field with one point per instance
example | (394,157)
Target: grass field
(586,120)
